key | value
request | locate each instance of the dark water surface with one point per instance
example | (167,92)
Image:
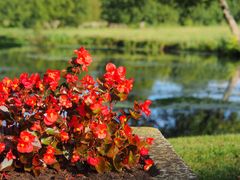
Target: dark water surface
(188,90)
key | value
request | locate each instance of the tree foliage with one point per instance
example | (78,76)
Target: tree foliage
(52,14)
(48,13)
(182,12)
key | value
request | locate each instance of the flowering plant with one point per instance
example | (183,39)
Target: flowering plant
(62,119)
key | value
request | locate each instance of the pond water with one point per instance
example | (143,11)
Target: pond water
(184,87)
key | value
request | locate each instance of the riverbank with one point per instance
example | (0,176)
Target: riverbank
(215,39)
(210,157)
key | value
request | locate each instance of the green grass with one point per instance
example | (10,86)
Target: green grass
(208,38)
(165,34)
(210,157)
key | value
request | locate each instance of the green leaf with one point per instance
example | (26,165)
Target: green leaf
(5,163)
(47,140)
(52,131)
(133,159)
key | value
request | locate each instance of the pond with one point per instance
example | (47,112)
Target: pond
(191,93)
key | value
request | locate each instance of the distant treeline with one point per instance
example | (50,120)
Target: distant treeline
(57,13)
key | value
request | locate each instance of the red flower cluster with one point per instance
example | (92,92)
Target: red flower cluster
(145,107)
(25,142)
(116,78)
(83,58)
(52,78)
(49,157)
(63,118)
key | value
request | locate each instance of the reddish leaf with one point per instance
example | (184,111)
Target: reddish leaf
(23,159)
(119,142)
(134,114)
(113,151)
(117,163)
(56,166)
(102,166)
(36,171)
(122,96)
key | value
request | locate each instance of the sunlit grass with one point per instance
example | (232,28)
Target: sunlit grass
(211,157)
(165,33)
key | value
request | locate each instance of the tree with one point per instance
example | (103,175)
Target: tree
(230,19)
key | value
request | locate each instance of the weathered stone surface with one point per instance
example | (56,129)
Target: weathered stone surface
(170,165)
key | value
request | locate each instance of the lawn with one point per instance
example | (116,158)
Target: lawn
(165,33)
(210,157)
(199,38)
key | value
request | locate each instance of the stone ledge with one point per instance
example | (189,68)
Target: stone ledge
(169,164)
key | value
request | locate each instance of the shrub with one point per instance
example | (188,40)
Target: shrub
(61,119)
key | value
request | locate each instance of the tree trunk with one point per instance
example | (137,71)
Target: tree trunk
(230,20)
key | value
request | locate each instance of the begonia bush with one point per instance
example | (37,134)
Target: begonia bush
(59,119)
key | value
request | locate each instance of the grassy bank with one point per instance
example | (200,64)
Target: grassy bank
(213,38)
(211,157)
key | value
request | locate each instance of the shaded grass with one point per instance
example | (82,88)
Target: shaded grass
(210,157)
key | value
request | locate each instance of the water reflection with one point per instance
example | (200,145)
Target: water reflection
(185,89)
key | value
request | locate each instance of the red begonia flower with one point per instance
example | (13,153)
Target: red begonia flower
(51,77)
(2,147)
(27,137)
(36,126)
(49,159)
(64,136)
(150,141)
(123,119)
(100,131)
(145,107)
(64,101)
(75,158)
(81,110)
(83,58)
(71,78)
(29,82)
(50,150)
(92,161)
(148,164)
(50,117)
(144,151)
(10,155)
(31,101)
(24,147)
(127,130)
(88,82)
(78,128)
